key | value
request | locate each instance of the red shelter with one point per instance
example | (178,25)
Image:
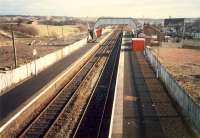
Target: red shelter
(138,44)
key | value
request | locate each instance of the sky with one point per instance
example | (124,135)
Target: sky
(97,8)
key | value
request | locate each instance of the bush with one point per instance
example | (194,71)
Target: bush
(29,30)
(55,35)
(5,27)
(25,29)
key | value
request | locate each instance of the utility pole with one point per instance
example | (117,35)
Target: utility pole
(183,35)
(13,44)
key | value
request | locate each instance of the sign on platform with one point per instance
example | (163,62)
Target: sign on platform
(34,52)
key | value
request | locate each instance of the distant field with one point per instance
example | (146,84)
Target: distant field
(56,30)
(53,31)
(24,37)
(184,65)
(43,30)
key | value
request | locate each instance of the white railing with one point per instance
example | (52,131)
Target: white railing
(190,108)
(17,75)
(192,43)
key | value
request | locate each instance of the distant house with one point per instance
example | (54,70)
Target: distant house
(174,26)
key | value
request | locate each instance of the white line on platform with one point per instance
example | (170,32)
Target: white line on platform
(116,126)
(42,93)
(4,126)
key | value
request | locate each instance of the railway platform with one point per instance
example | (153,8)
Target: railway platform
(25,92)
(142,107)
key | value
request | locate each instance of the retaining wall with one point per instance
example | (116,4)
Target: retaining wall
(190,108)
(15,76)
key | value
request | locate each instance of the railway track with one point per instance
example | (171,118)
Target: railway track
(95,120)
(44,123)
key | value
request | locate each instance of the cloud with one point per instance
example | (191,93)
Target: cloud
(147,8)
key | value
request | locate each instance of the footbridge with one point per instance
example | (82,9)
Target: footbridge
(109,21)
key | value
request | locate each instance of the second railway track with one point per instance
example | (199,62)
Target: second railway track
(46,123)
(95,120)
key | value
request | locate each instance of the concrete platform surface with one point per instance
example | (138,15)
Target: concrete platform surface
(142,107)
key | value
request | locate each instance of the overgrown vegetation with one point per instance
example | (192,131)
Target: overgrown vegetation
(62,22)
(20,28)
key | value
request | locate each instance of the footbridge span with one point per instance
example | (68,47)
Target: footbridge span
(109,21)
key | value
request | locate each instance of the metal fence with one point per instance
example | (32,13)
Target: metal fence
(190,108)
